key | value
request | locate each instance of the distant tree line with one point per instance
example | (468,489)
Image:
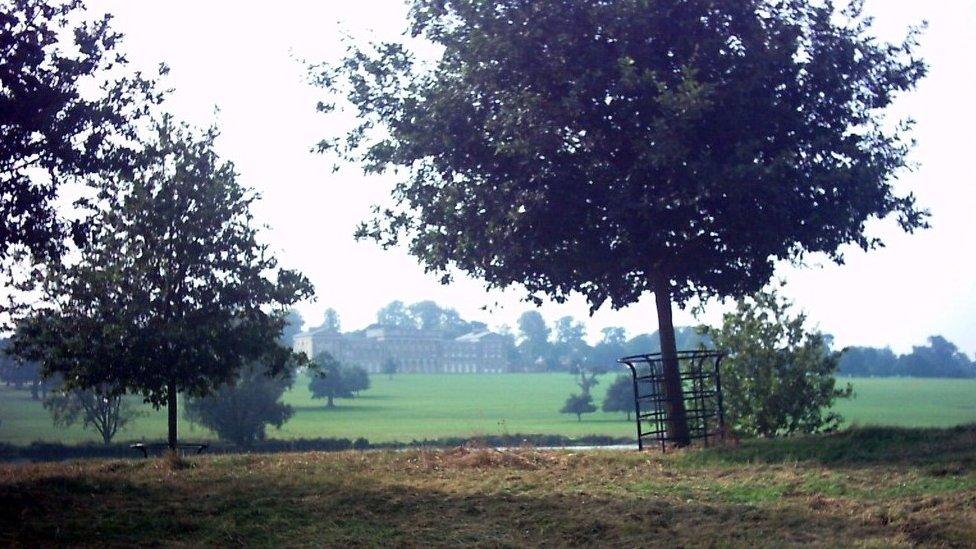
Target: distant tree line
(423,315)
(533,346)
(21,374)
(538,348)
(940,358)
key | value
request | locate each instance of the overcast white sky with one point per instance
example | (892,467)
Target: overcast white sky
(240,57)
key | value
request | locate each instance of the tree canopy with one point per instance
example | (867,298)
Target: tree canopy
(534,345)
(587,146)
(330,321)
(395,314)
(66,111)
(940,358)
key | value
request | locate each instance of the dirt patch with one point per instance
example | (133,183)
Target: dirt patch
(483,458)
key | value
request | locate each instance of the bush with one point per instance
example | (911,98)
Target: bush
(240,412)
(779,375)
(620,396)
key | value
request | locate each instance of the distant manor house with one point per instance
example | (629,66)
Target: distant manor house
(415,351)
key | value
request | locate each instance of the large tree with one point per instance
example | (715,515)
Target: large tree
(569,347)
(355,379)
(394,314)
(582,402)
(619,147)
(174,293)
(868,362)
(331,322)
(67,106)
(427,315)
(611,348)
(534,344)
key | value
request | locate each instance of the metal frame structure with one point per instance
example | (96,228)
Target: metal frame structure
(701,383)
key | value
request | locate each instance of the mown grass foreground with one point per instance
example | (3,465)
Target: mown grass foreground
(865,487)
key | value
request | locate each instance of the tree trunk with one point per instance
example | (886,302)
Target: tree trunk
(330,403)
(628,416)
(171,408)
(579,417)
(677,425)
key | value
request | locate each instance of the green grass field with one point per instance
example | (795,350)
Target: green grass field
(412,407)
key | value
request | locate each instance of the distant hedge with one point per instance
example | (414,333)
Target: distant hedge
(46,451)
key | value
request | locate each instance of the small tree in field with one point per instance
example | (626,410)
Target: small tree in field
(105,412)
(779,378)
(173,293)
(355,379)
(241,411)
(578,404)
(581,403)
(615,148)
(620,396)
(390,367)
(327,380)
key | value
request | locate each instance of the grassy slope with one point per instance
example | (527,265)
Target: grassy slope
(433,406)
(868,487)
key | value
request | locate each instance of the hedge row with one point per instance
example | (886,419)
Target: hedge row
(46,451)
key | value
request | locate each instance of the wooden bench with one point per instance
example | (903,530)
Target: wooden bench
(162,446)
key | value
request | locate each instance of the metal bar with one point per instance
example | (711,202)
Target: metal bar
(718,396)
(633,371)
(701,392)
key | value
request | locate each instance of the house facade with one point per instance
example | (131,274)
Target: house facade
(415,351)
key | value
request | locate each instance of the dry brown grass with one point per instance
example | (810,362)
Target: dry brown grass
(487,497)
